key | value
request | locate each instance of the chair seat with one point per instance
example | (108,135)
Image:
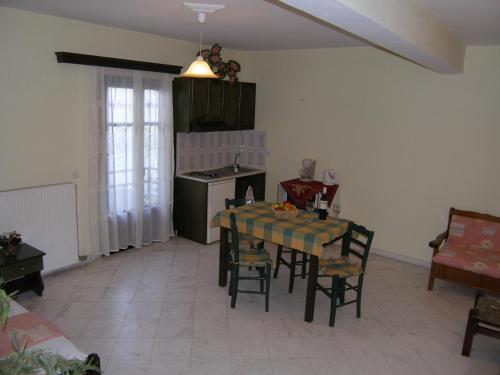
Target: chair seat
(340,267)
(246,240)
(255,258)
(488,309)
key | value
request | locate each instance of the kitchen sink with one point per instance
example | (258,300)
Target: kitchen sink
(222,172)
(229,171)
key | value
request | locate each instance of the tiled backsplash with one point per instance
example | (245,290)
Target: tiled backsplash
(204,151)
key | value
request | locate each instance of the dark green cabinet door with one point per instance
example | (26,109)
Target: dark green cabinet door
(199,99)
(256,181)
(247,106)
(214,105)
(190,209)
(182,104)
(231,105)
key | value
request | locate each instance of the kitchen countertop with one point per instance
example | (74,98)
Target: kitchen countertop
(221,178)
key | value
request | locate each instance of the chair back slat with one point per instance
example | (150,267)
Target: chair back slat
(362,247)
(235,241)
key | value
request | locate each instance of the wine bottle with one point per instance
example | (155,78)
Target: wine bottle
(323,205)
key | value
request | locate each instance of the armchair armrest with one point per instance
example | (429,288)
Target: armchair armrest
(438,240)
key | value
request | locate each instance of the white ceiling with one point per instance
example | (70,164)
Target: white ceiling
(476,22)
(256,24)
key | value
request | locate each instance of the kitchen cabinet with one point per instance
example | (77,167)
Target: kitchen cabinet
(247,105)
(213,105)
(231,105)
(190,209)
(196,203)
(217,194)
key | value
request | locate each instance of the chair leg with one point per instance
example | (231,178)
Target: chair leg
(358,296)
(341,291)
(432,276)
(278,261)
(304,265)
(293,263)
(268,285)
(234,292)
(469,334)
(262,273)
(231,282)
(333,302)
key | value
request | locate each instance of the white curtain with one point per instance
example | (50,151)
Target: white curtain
(131,160)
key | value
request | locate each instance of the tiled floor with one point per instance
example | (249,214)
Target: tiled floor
(159,311)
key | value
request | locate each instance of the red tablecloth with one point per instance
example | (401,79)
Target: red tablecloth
(299,192)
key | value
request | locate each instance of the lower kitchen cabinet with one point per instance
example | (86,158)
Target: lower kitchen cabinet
(196,203)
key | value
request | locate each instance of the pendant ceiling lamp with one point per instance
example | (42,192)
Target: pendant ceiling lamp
(199,68)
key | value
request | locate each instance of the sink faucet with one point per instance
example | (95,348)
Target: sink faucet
(236,166)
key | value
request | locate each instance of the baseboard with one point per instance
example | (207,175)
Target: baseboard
(401,258)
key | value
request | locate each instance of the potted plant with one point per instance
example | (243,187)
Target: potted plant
(9,242)
(38,362)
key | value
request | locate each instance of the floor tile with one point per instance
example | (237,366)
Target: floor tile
(99,327)
(246,328)
(171,349)
(138,328)
(72,327)
(132,348)
(103,346)
(144,310)
(286,347)
(248,348)
(155,310)
(207,328)
(210,367)
(118,294)
(176,367)
(291,366)
(127,367)
(175,328)
(213,348)
(251,367)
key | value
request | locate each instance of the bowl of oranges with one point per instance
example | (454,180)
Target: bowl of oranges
(285,210)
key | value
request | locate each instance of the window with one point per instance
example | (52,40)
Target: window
(126,136)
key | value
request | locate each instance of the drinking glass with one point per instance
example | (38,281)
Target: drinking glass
(310,205)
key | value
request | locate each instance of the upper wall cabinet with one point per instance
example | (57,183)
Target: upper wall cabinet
(202,105)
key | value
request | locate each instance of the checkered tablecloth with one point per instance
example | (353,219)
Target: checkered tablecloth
(305,232)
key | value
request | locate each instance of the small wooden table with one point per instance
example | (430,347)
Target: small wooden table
(305,233)
(22,272)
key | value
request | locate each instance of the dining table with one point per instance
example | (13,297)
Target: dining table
(305,233)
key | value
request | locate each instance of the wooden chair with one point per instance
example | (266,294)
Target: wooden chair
(484,318)
(357,242)
(443,265)
(292,265)
(248,257)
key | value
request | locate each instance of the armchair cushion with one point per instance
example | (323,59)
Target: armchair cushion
(472,258)
(477,233)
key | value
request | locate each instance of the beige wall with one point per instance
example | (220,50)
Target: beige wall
(407,143)
(44,106)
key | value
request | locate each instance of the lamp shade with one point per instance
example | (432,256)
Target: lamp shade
(199,69)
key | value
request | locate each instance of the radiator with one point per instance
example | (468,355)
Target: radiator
(46,218)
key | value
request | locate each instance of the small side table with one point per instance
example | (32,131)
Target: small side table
(22,272)
(299,192)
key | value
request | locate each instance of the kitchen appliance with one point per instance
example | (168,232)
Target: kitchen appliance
(307,170)
(329,177)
